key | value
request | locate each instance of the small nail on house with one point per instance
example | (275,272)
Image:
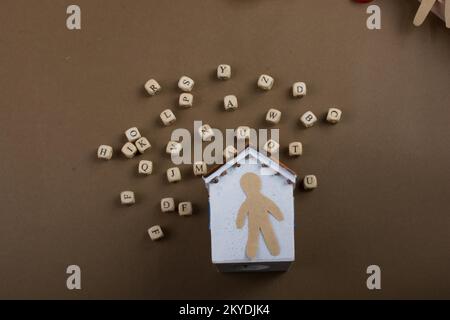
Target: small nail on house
(251,199)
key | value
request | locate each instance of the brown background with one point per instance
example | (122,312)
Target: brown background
(383,172)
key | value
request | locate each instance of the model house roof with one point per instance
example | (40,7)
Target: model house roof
(253,156)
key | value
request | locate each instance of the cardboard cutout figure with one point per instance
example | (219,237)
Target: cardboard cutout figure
(258,207)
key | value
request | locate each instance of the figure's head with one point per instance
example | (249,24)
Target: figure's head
(250,183)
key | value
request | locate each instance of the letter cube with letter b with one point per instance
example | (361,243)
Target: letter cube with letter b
(308,119)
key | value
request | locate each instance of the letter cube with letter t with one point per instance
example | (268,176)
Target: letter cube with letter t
(251,202)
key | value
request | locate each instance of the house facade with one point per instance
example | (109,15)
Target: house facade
(227,197)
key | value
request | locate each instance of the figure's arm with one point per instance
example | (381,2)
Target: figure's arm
(274,210)
(424,9)
(240,220)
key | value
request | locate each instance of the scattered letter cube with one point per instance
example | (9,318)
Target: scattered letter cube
(243,133)
(105,152)
(271,146)
(334,115)
(229,152)
(127,197)
(145,167)
(167,205)
(206,132)
(186,84)
(273,116)
(142,144)
(295,149)
(310,182)
(129,150)
(155,233)
(132,134)
(299,89)
(224,72)
(152,87)
(186,100)
(200,168)
(230,102)
(308,119)
(185,208)
(167,117)
(265,82)
(174,147)
(173,174)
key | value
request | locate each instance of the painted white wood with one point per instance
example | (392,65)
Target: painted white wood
(226,196)
(255,157)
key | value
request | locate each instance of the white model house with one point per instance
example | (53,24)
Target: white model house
(233,213)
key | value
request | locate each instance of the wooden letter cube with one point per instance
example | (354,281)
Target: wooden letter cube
(230,102)
(127,197)
(173,174)
(174,147)
(168,117)
(129,150)
(273,116)
(185,208)
(265,82)
(224,72)
(132,134)
(167,205)
(229,153)
(271,146)
(200,168)
(186,100)
(186,84)
(299,89)
(155,233)
(295,149)
(310,182)
(105,152)
(142,144)
(243,133)
(145,167)
(334,115)
(206,132)
(152,87)
(308,119)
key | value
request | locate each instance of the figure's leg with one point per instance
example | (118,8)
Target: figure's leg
(252,241)
(447,13)
(270,239)
(424,10)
